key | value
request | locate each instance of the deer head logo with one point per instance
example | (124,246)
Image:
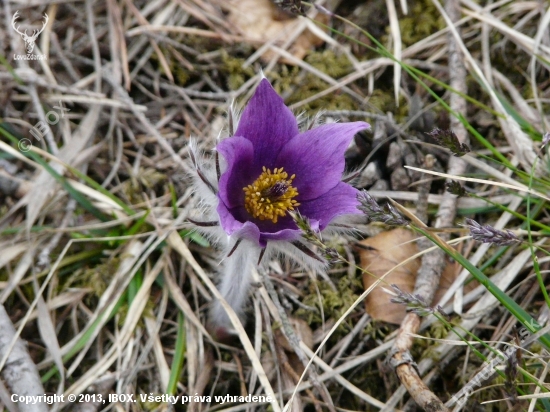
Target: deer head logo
(29,40)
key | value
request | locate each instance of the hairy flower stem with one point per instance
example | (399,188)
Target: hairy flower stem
(235,282)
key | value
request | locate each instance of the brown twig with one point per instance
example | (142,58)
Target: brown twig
(433,263)
(400,358)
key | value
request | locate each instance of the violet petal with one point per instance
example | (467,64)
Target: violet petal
(285,234)
(239,154)
(340,200)
(249,230)
(233,227)
(268,124)
(317,157)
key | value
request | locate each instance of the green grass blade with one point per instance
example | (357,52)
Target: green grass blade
(517,311)
(179,357)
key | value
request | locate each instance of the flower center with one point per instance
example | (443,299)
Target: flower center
(271,195)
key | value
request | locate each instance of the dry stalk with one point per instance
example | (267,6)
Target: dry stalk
(433,262)
(400,358)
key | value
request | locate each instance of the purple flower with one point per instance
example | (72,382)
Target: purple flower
(272,169)
(266,171)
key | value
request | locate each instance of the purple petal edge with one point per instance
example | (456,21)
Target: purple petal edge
(250,231)
(239,154)
(267,123)
(340,200)
(317,157)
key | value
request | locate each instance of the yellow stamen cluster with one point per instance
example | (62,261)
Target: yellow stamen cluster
(271,195)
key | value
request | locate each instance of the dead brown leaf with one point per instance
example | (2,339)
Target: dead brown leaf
(381,253)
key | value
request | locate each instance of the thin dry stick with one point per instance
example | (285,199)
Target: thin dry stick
(400,358)
(432,263)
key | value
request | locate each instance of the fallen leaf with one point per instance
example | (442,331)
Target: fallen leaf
(381,253)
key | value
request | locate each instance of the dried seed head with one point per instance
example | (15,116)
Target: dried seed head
(414,303)
(330,254)
(376,213)
(456,188)
(488,234)
(448,139)
(511,373)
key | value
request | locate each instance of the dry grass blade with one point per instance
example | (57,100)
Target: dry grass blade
(124,335)
(45,183)
(48,335)
(516,186)
(519,140)
(20,270)
(10,252)
(396,36)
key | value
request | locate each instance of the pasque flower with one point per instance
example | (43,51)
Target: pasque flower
(266,170)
